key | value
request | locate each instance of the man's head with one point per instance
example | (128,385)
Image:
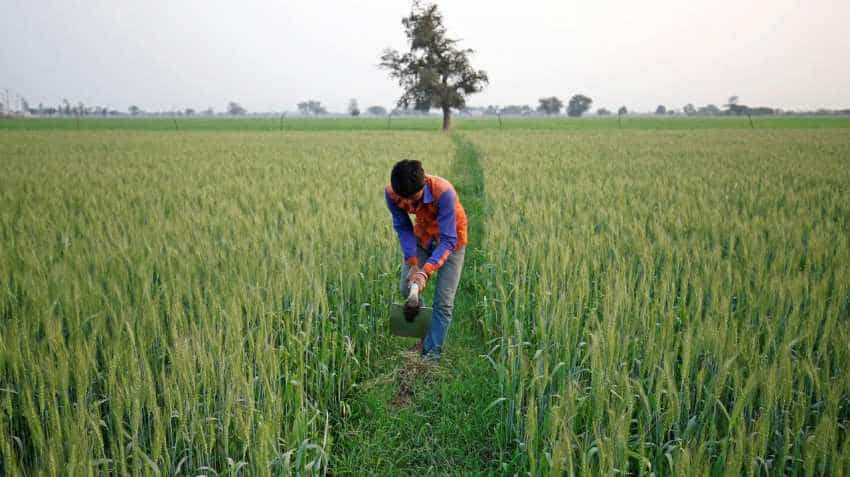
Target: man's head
(407,178)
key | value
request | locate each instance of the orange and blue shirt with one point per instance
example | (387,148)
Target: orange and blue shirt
(439,218)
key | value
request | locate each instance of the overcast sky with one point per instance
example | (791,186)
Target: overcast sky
(268,55)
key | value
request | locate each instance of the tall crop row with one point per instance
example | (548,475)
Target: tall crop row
(189,303)
(671,302)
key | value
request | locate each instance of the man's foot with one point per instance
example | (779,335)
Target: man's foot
(432,356)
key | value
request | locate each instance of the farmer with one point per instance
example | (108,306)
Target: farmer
(436,242)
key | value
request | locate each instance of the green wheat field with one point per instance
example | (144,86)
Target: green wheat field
(209,297)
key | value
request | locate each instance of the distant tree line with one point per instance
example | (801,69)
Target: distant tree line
(580,104)
(577,106)
(67,109)
(734,107)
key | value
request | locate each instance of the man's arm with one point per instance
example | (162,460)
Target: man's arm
(404,229)
(447,221)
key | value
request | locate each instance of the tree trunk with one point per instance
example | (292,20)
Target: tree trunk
(447,118)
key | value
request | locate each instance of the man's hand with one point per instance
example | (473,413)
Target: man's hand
(419,278)
(411,306)
(412,270)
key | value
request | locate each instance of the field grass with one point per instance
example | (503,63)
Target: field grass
(671,302)
(423,124)
(672,299)
(189,302)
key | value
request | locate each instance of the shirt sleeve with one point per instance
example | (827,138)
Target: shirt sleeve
(404,228)
(447,221)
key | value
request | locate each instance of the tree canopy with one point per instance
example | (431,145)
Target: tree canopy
(709,110)
(311,107)
(235,109)
(377,110)
(578,105)
(735,107)
(516,109)
(550,105)
(434,72)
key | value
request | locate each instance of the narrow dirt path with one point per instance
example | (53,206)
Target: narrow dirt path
(417,419)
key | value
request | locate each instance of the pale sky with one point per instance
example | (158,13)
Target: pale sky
(269,55)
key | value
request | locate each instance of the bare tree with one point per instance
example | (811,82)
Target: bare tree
(353,108)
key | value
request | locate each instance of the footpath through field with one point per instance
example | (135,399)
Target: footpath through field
(416,419)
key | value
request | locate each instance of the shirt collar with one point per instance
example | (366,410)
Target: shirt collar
(427,198)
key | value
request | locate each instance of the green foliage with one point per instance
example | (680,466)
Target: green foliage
(550,105)
(311,107)
(670,302)
(235,109)
(578,105)
(410,421)
(435,72)
(709,110)
(377,110)
(423,123)
(189,302)
(674,301)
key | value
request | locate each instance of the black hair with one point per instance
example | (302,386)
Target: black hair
(407,177)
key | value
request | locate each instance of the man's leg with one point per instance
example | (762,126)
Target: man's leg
(448,278)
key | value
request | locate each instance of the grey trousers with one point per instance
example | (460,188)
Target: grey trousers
(447,279)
